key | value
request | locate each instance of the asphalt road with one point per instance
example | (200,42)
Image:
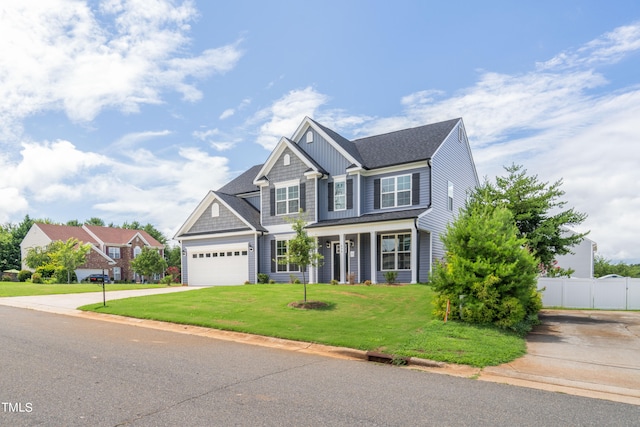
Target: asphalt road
(59,370)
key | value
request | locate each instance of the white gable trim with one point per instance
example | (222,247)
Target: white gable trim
(466,139)
(199,211)
(275,155)
(308,123)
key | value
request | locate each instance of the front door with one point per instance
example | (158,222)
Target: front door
(337,260)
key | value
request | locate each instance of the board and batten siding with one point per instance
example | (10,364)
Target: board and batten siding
(281,173)
(210,241)
(226,220)
(324,154)
(452,162)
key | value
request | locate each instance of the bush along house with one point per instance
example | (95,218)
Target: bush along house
(375,205)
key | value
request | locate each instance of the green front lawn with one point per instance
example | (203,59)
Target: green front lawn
(18,289)
(391,319)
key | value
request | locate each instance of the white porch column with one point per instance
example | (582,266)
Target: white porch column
(343,259)
(312,269)
(414,255)
(373,255)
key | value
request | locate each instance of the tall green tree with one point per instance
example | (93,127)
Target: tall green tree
(538,211)
(18,232)
(149,262)
(68,255)
(302,250)
(488,275)
(95,221)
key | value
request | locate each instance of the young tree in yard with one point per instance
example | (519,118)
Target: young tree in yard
(537,210)
(302,250)
(488,275)
(149,262)
(68,255)
(59,256)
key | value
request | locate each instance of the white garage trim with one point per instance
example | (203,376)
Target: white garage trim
(218,264)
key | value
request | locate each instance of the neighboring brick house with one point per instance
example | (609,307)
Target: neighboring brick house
(112,249)
(374,205)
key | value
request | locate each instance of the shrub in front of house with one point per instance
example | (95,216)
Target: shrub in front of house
(36,278)
(390,277)
(24,275)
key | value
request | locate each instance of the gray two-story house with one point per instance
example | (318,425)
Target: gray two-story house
(374,204)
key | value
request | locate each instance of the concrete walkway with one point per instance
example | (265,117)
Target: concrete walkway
(585,353)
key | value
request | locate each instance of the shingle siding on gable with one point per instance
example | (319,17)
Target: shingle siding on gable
(225,221)
(448,164)
(280,173)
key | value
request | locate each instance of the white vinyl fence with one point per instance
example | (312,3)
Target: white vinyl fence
(606,294)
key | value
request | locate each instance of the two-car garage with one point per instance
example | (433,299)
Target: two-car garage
(218,265)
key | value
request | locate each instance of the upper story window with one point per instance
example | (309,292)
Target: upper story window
(287,160)
(395,191)
(287,199)
(114,253)
(309,137)
(450,195)
(215,210)
(137,251)
(339,195)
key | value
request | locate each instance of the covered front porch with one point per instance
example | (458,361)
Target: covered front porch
(355,253)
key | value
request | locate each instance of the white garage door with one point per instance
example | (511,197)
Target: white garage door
(218,265)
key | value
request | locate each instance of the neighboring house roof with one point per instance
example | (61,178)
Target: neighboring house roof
(95,234)
(121,236)
(403,146)
(242,208)
(243,183)
(376,217)
(66,232)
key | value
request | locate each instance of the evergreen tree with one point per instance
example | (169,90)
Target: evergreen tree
(488,274)
(538,212)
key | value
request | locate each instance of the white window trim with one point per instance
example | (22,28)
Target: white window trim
(395,191)
(309,137)
(449,195)
(395,252)
(343,181)
(287,159)
(287,185)
(117,252)
(286,266)
(215,210)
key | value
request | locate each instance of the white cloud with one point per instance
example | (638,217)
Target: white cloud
(61,55)
(227,113)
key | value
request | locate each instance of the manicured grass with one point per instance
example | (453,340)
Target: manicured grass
(392,319)
(18,289)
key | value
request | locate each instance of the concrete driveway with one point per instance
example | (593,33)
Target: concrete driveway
(587,353)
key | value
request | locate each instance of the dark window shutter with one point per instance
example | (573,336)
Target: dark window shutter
(330,191)
(350,194)
(415,189)
(272,201)
(303,196)
(378,252)
(376,193)
(273,256)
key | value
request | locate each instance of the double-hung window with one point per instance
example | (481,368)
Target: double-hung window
(287,199)
(396,251)
(339,195)
(114,253)
(395,191)
(281,253)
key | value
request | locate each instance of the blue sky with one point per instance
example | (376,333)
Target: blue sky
(133,110)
